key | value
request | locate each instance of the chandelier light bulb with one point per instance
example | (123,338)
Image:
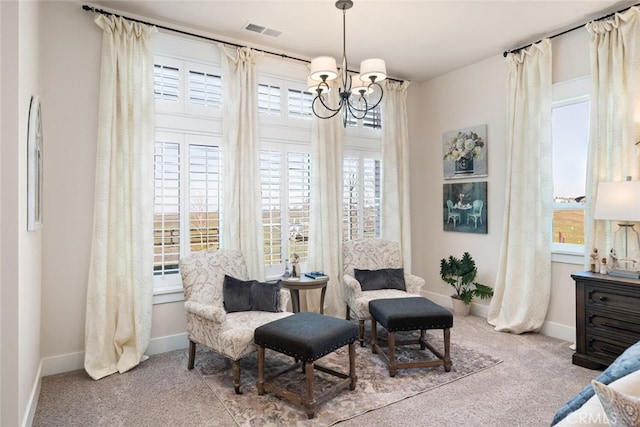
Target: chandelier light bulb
(358,86)
(374,70)
(323,68)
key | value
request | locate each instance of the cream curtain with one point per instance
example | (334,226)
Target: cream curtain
(325,222)
(395,206)
(615,114)
(242,214)
(523,283)
(120,286)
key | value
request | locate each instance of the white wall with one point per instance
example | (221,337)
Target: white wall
(21,250)
(471,96)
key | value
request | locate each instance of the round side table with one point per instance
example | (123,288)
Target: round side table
(305,283)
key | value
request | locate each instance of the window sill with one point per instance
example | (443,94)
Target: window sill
(567,256)
(168,294)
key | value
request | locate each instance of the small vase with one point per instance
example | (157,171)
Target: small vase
(464,165)
(460,308)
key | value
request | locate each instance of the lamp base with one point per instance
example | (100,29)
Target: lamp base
(624,273)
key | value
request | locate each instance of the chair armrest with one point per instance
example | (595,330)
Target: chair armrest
(207,311)
(285,296)
(414,283)
(353,290)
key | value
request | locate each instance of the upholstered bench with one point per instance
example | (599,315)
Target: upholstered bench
(306,337)
(410,314)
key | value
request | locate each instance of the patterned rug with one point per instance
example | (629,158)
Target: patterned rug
(374,389)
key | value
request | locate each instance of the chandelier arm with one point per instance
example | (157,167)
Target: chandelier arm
(367,107)
(353,110)
(328,116)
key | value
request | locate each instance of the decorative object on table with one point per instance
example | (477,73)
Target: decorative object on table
(34,166)
(469,211)
(295,268)
(603,266)
(287,273)
(618,201)
(315,274)
(595,268)
(465,152)
(461,274)
(355,96)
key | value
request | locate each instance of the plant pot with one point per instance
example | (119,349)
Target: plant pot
(464,165)
(460,308)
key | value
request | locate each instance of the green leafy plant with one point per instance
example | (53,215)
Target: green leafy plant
(461,273)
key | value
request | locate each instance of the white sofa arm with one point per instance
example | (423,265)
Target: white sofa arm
(414,283)
(207,311)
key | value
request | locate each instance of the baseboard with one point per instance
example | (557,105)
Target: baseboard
(74,361)
(30,412)
(550,329)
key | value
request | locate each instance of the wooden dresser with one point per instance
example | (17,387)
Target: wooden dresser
(607,318)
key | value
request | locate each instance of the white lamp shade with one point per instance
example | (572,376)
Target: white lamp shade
(373,68)
(358,85)
(323,66)
(619,201)
(312,86)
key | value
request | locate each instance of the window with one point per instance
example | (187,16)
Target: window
(189,209)
(570,135)
(286,191)
(188,199)
(361,197)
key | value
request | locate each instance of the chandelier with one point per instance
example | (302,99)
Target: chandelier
(356,91)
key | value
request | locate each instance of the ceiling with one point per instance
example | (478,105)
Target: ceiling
(418,39)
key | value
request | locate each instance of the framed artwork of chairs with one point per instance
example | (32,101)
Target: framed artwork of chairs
(464,206)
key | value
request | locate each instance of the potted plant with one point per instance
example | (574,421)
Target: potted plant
(461,273)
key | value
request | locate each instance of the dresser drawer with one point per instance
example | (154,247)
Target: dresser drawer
(603,348)
(614,299)
(602,323)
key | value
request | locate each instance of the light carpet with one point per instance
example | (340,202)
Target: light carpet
(374,389)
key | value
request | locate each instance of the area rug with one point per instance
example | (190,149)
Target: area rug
(374,389)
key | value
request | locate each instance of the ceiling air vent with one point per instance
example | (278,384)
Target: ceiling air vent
(262,30)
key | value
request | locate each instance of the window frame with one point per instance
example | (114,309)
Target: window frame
(566,93)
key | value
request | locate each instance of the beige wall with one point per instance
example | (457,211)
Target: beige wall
(70,50)
(21,250)
(471,96)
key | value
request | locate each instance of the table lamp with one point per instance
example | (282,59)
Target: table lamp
(620,201)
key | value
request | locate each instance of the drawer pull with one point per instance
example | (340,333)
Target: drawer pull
(602,298)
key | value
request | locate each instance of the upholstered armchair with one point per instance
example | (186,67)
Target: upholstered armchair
(372,254)
(208,323)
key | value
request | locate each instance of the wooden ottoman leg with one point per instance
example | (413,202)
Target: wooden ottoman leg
(260,380)
(352,366)
(374,336)
(447,347)
(309,401)
(361,332)
(422,340)
(392,354)
(235,365)
(192,354)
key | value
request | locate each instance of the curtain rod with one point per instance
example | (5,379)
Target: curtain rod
(186,33)
(506,52)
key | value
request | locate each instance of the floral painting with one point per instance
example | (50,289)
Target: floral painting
(465,152)
(464,207)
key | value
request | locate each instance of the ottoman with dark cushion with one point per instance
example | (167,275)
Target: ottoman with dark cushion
(410,314)
(306,337)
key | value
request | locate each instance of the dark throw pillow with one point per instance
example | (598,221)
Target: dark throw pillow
(250,295)
(385,278)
